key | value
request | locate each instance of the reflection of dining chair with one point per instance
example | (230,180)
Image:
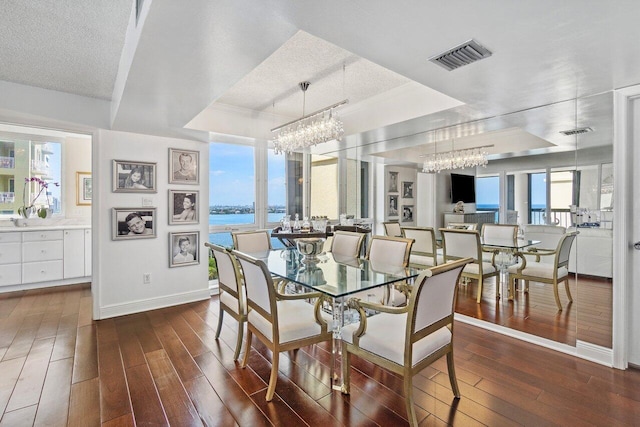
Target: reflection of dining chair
(347,243)
(506,232)
(281,322)
(462,225)
(232,295)
(458,244)
(424,250)
(251,241)
(544,272)
(406,340)
(392,229)
(547,235)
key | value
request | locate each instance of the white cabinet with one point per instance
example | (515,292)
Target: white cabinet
(74,253)
(51,256)
(87,252)
(42,256)
(10,258)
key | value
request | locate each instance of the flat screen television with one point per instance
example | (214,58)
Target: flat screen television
(463,188)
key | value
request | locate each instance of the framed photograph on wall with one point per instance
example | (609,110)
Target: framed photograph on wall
(393,182)
(183,166)
(407,190)
(134,177)
(407,213)
(133,223)
(84,188)
(183,248)
(183,207)
(392,209)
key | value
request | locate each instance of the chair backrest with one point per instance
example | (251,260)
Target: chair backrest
(228,271)
(258,285)
(347,243)
(251,241)
(548,235)
(499,231)
(462,226)
(425,240)
(458,244)
(564,249)
(392,229)
(390,251)
(433,299)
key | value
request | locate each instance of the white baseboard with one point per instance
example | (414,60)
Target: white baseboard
(153,303)
(587,351)
(41,285)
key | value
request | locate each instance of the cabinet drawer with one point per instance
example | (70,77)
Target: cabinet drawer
(41,271)
(10,253)
(40,236)
(42,251)
(10,274)
(10,237)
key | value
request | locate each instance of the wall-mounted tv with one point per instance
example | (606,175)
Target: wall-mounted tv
(463,188)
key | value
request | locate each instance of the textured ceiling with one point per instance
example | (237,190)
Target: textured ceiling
(273,85)
(70,46)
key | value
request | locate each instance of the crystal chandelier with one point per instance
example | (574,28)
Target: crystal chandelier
(456,159)
(321,126)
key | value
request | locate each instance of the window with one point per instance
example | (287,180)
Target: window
(276,187)
(324,186)
(488,194)
(537,197)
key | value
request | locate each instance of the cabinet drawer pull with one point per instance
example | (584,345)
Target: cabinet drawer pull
(43,272)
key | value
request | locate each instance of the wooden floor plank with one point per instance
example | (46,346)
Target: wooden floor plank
(165,367)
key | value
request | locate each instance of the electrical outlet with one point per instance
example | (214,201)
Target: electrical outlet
(146,278)
(147,201)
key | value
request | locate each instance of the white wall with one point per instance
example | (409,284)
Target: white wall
(119,265)
(76,157)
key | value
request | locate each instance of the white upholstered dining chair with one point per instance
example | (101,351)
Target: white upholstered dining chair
(544,272)
(347,243)
(457,244)
(500,232)
(424,249)
(392,229)
(405,340)
(251,241)
(232,295)
(281,322)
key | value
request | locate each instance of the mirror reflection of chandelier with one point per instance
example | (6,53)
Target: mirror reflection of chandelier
(456,159)
(321,126)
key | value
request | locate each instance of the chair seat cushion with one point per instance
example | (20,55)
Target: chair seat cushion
(230,301)
(296,320)
(539,269)
(487,268)
(424,260)
(385,336)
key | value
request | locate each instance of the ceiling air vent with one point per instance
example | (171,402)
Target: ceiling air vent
(464,54)
(577,131)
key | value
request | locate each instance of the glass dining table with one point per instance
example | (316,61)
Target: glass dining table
(339,278)
(506,248)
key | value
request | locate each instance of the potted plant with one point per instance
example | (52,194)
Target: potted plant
(30,209)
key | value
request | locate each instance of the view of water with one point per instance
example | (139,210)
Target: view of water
(224,239)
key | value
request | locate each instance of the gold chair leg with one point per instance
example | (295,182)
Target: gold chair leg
(452,375)
(219,328)
(239,340)
(247,348)
(274,376)
(346,369)
(566,288)
(555,292)
(479,289)
(408,399)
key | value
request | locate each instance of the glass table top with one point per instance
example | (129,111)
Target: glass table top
(507,243)
(330,274)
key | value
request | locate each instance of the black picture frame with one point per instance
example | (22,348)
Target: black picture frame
(407,189)
(407,213)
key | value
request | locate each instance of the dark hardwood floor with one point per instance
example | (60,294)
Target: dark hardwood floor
(588,318)
(163,367)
